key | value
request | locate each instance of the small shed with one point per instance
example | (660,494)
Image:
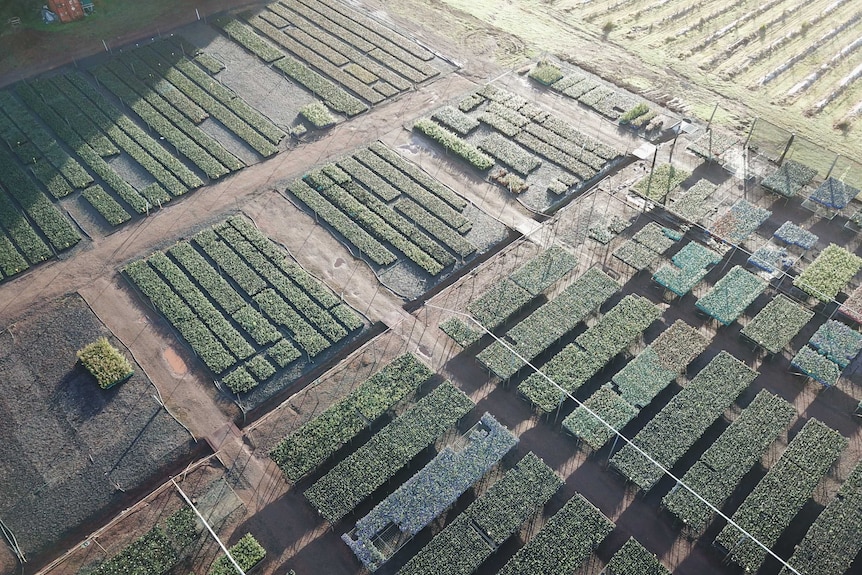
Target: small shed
(67,10)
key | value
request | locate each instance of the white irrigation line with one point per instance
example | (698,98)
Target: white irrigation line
(620,436)
(210,529)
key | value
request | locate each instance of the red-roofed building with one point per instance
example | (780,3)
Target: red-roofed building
(66,10)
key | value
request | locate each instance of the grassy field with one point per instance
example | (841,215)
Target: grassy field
(794,63)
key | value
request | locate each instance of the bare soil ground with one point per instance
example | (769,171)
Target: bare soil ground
(71,450)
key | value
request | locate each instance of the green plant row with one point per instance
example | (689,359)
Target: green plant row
(205,99)
(567,131)
(311,30)
(284,315)
(252,373)
(293,293)
(404,226)
(634,559)
(110,209)
(500,302)
(205,310)
(333,95)
(619,327)
(656,238)
(634,112)
(45,142)
(336,57)
(550,322)
(576,364)
(196,145)
(719,470)
(11,261)
(713,144)
(208,62)
(570,369)
(229,262)
(382,35)
(22,234)
(789,178)
(388,168)
(643,378)
(817,366)
(564,542)
(31,156)
(509,154)
(231,100)
(777,324)
(731,295)
(553,154)
(247,552)
(684,420)
(78,121)
(282,353)
(660,182)
(508,111)
(691,205)
(317,61)
(36,205)
(542,271)
(829,273)
(636,255)
(499,123)
(833,540)
(545,73)
(781,494)
(108,114)
(690,266)
(457,202)
(244,36)
(157,551)
(355,478)
(311,444)
(380,228)
(393,48)
(361,174)
(105,362)
(460,332)
(511,500)
(139,146)
(496,515)
(435,227)
(318,115)
(181,316)
(740,221)
(341,223)
(299,276)
(256,325)
(455,120)
(210,281)
(837,341)
(453,143)
(470,102)
(82,147)
(578,152)
(608,405)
